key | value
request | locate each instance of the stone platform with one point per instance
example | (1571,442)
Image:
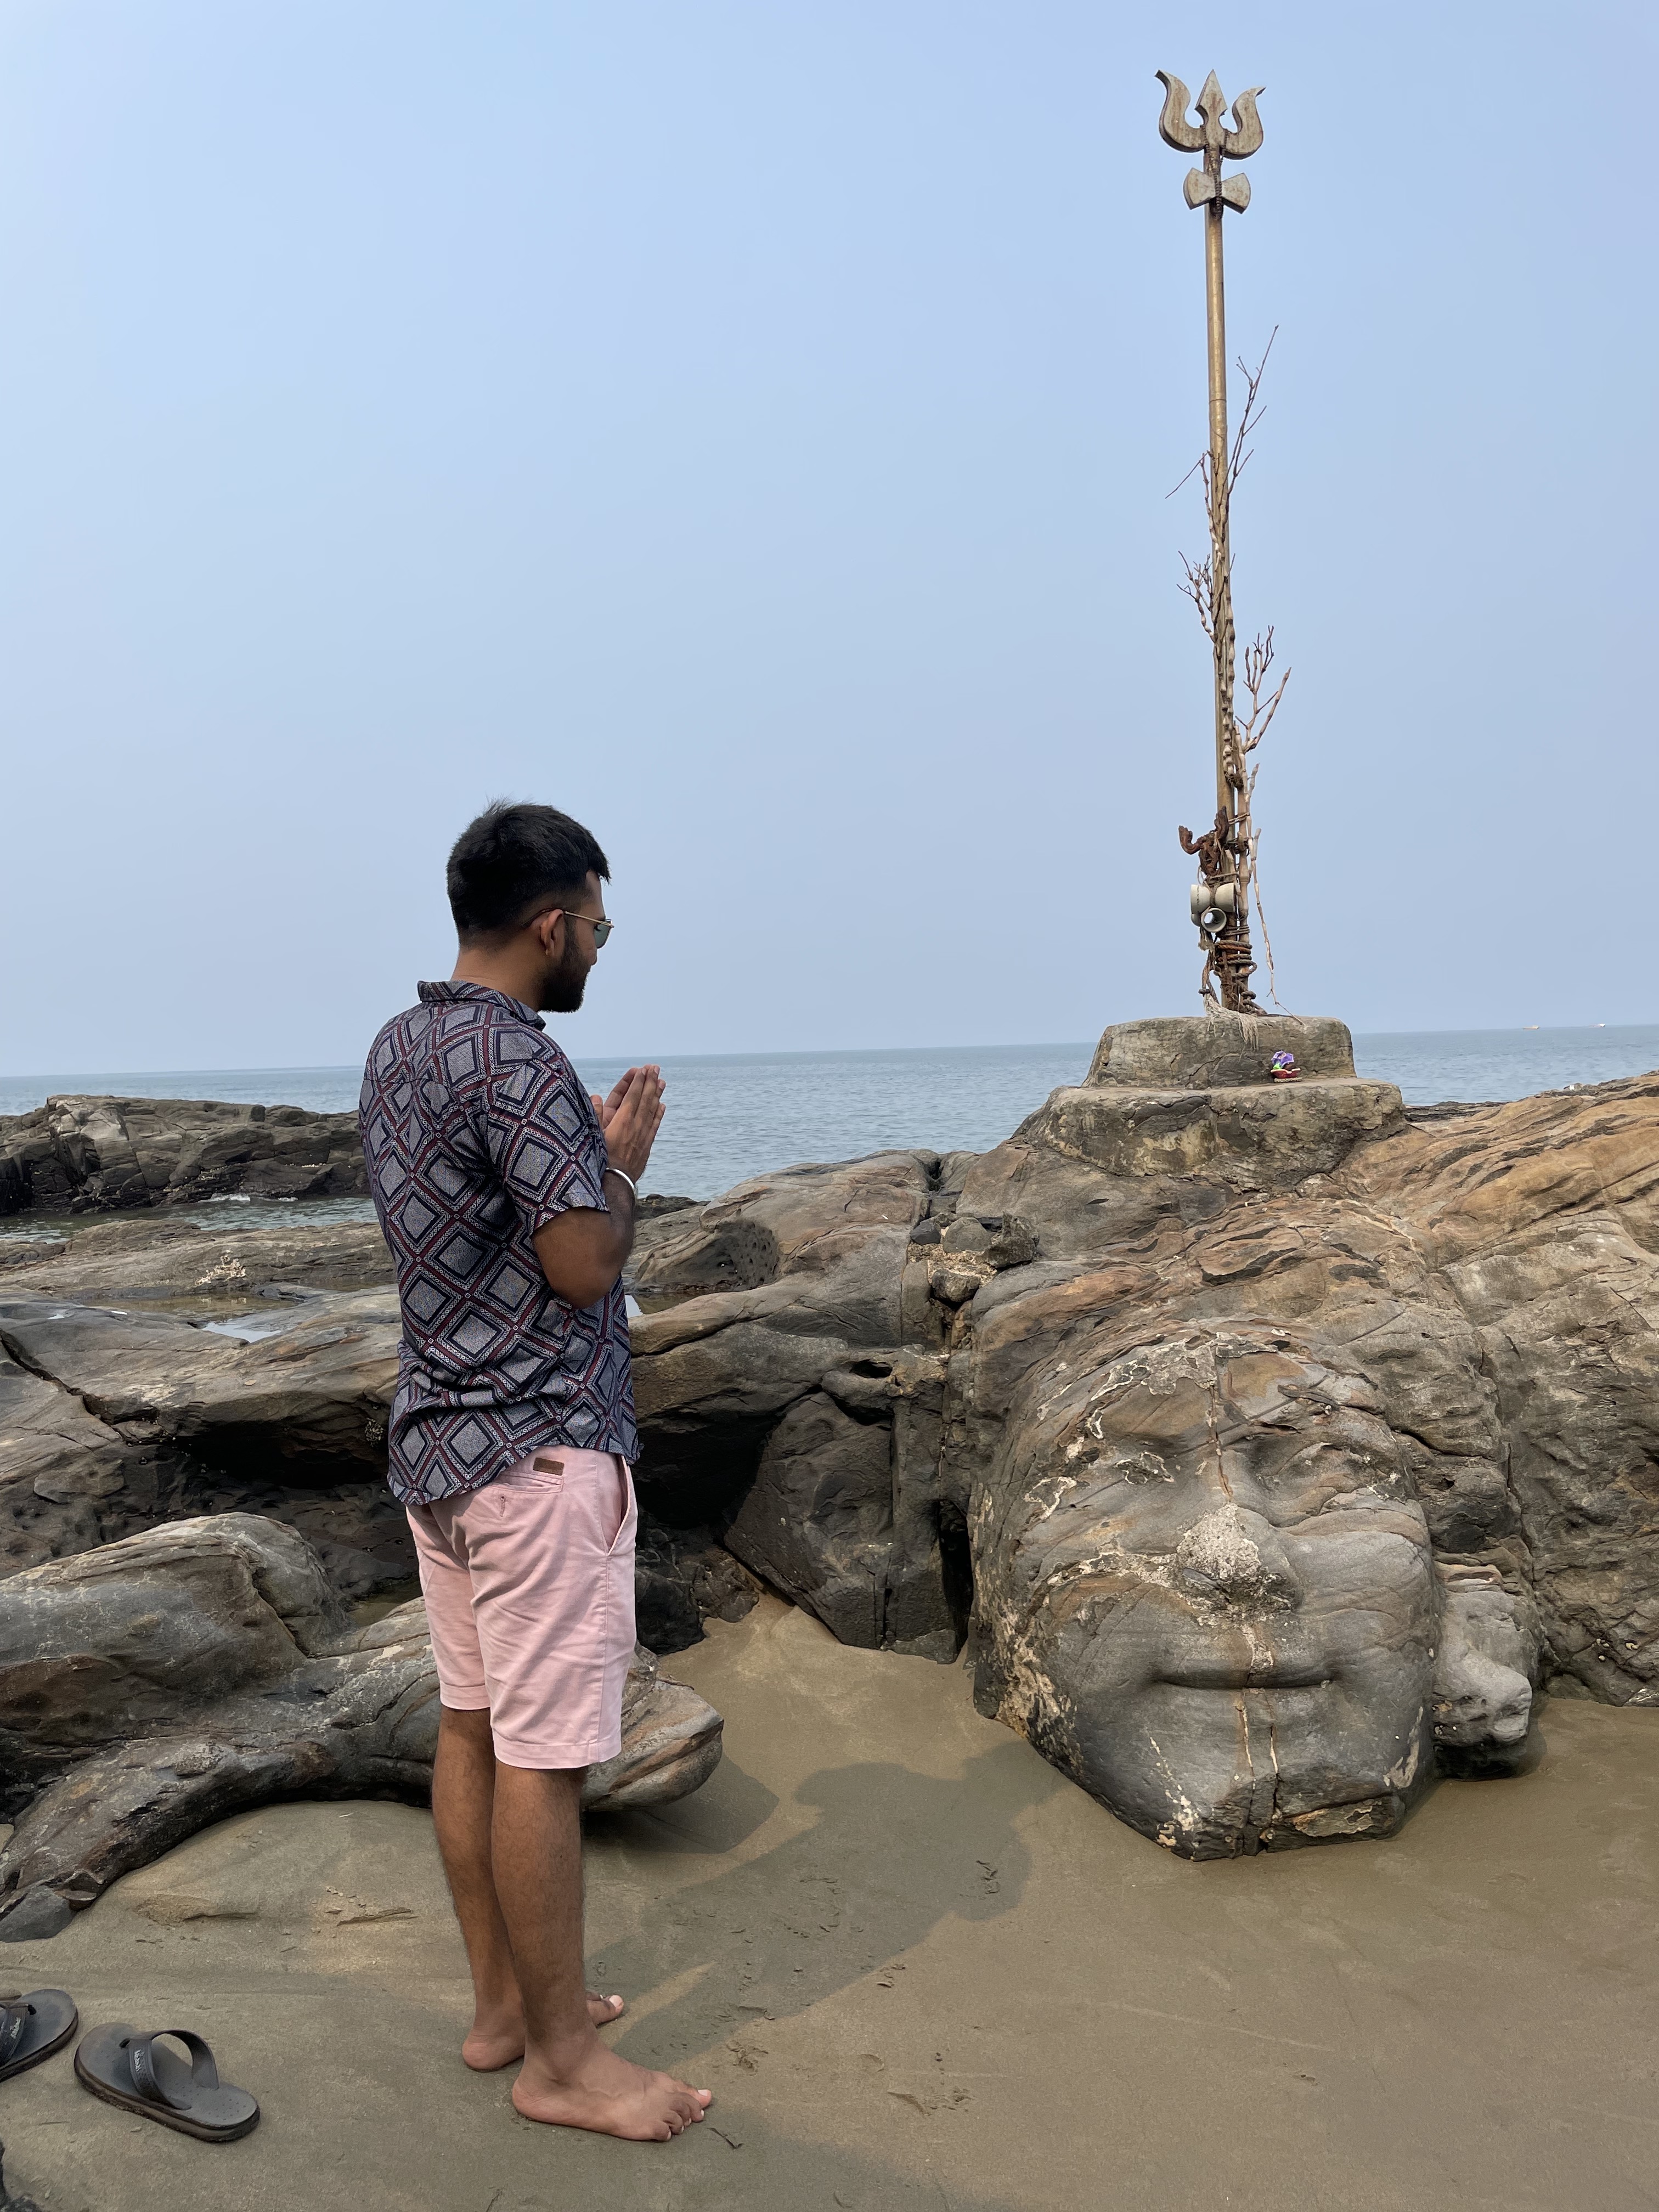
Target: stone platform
(1181,1052)
(1195,1095)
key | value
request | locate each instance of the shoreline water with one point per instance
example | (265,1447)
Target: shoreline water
(736,1115)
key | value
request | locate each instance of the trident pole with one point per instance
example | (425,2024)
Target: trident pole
(1220,904)
(1215,303)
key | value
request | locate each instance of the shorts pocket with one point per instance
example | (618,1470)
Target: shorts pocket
(629,1520)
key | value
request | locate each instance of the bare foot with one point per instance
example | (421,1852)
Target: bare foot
(497,2042)
(598,2090)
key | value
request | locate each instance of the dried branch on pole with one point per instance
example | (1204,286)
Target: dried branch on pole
(1227,854)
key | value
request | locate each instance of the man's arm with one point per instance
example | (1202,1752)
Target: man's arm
(582,1251)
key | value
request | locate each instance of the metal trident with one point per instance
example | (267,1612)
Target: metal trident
(1225,920)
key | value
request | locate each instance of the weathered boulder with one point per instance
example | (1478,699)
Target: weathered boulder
(783,1412)
(112,1420)
(59,1465)
(90,1154)
(116,1417)
(171,1373)
(156,1684)
(683,1577)
(319,1384)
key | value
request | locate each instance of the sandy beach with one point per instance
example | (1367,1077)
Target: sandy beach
(918,1968)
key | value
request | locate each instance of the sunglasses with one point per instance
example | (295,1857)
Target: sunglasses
(601,929)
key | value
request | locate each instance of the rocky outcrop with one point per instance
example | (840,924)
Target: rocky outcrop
(1270,1442)
(782,1409)
(154,1685)
(112,1421)
(174,1373)
(1336,1422)
(96,1155)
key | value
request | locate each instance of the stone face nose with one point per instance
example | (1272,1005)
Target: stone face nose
(1236,1555)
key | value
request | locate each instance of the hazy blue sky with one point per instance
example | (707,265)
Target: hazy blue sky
(747,423)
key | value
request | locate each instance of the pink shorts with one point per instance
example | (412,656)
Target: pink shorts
(529,1589)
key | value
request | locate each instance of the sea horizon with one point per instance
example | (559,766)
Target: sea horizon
(738,1114)
(31,1078)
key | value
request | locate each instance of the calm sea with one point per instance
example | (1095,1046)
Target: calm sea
(736,1115)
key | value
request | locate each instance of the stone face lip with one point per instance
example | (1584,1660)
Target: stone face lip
(95,1155)
(1185,1053)
(154,1685)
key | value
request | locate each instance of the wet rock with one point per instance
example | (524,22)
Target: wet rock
(155,1685)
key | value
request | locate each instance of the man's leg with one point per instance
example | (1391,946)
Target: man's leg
(463,1803)
(463,1797)
(569,2077)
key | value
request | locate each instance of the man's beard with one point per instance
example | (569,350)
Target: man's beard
(563,987)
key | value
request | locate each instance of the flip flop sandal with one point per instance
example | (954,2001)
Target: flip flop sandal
(32,2028)
(136,2073)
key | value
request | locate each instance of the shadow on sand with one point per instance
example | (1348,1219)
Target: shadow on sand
(892,1853)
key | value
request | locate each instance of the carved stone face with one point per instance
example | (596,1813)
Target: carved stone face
(1218,1609)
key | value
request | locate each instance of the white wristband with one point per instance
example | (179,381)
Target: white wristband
(626,1178)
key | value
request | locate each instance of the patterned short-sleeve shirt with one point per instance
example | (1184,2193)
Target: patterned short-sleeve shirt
(476,1131)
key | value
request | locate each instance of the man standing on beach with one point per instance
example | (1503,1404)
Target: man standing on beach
(506,1195)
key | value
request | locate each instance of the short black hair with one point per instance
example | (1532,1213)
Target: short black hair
(512,856)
